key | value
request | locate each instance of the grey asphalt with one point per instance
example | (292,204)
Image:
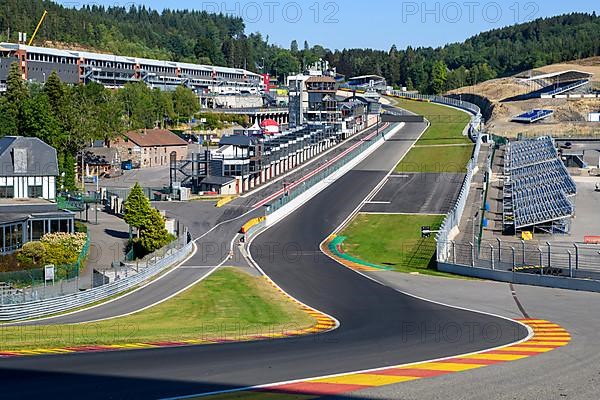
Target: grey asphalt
(213,229)
(379,326)
(570,372)
(416,193)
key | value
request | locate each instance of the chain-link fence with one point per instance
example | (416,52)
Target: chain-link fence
(534,257)
(125,270)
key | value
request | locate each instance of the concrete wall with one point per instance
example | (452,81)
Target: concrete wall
(522,279)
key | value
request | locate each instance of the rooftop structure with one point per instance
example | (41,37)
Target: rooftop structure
(557,83)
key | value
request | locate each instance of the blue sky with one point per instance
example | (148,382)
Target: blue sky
(371,23)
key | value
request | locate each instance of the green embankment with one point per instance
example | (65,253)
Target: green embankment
(443,148)
(229,304)
(394,241)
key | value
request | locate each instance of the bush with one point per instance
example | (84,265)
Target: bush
(63,248)
(80,227)
(32,254)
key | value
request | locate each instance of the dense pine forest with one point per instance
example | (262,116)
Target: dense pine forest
(197,36)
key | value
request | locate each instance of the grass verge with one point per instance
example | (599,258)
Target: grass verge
(449,159)
(394,241)
(447,124)
(229,304)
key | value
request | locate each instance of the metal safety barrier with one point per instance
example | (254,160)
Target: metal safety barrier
(57,305)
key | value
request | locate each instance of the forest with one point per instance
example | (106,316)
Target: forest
(200,37)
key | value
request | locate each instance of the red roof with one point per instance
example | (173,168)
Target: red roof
(269,122)
(155,137)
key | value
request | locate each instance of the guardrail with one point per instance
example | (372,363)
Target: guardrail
(465,105)
(36,309)
(453,218)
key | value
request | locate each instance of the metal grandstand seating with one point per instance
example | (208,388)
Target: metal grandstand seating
(533,116)
(537,188)
(568,87)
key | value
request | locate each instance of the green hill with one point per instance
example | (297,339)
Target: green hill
(197,36)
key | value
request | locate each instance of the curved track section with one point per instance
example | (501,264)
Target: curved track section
(379,325)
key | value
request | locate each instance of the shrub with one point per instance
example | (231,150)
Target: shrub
(32,253)
(80,227)
(63,248)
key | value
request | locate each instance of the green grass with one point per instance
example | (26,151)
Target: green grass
(446,159)
(228,304)
(394,241)
(447,124)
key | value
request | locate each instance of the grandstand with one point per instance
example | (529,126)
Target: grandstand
(533,116)
(538,189)
(559,83)
(366,82)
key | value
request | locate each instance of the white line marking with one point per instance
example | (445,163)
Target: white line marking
(529,330)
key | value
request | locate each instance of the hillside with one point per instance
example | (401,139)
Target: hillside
(200,37)
(570,115)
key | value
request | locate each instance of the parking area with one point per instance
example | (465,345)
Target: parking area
(416,193)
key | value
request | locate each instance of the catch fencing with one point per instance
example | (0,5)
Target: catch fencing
(15,307)
(452,220)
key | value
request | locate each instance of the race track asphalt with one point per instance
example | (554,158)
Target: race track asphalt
(379,325)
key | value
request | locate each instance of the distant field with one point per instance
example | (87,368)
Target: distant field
(447,124)
(394,241)
(436,159)
(228,304)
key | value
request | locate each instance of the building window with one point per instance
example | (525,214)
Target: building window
(37,229)
(35,192)
(7,192)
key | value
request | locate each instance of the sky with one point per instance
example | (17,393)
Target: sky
(376,24)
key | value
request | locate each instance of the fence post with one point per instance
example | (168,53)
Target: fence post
(499,249)
(492,256)
(570,263)
(454,252)
(549,254)
(472,254)
(541,260)
(523,248)
(576,256)
(514,259)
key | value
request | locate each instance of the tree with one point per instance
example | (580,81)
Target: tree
(185,102)
(154,235)
(55,91)
(16,88)
(138,105)
(294,47)
(8,118)
(137,209)
(439,77)
(163,105)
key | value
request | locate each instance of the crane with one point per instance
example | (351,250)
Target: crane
(37,28)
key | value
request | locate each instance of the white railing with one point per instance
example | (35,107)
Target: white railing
(42,308)
(453,218)
(465,105)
